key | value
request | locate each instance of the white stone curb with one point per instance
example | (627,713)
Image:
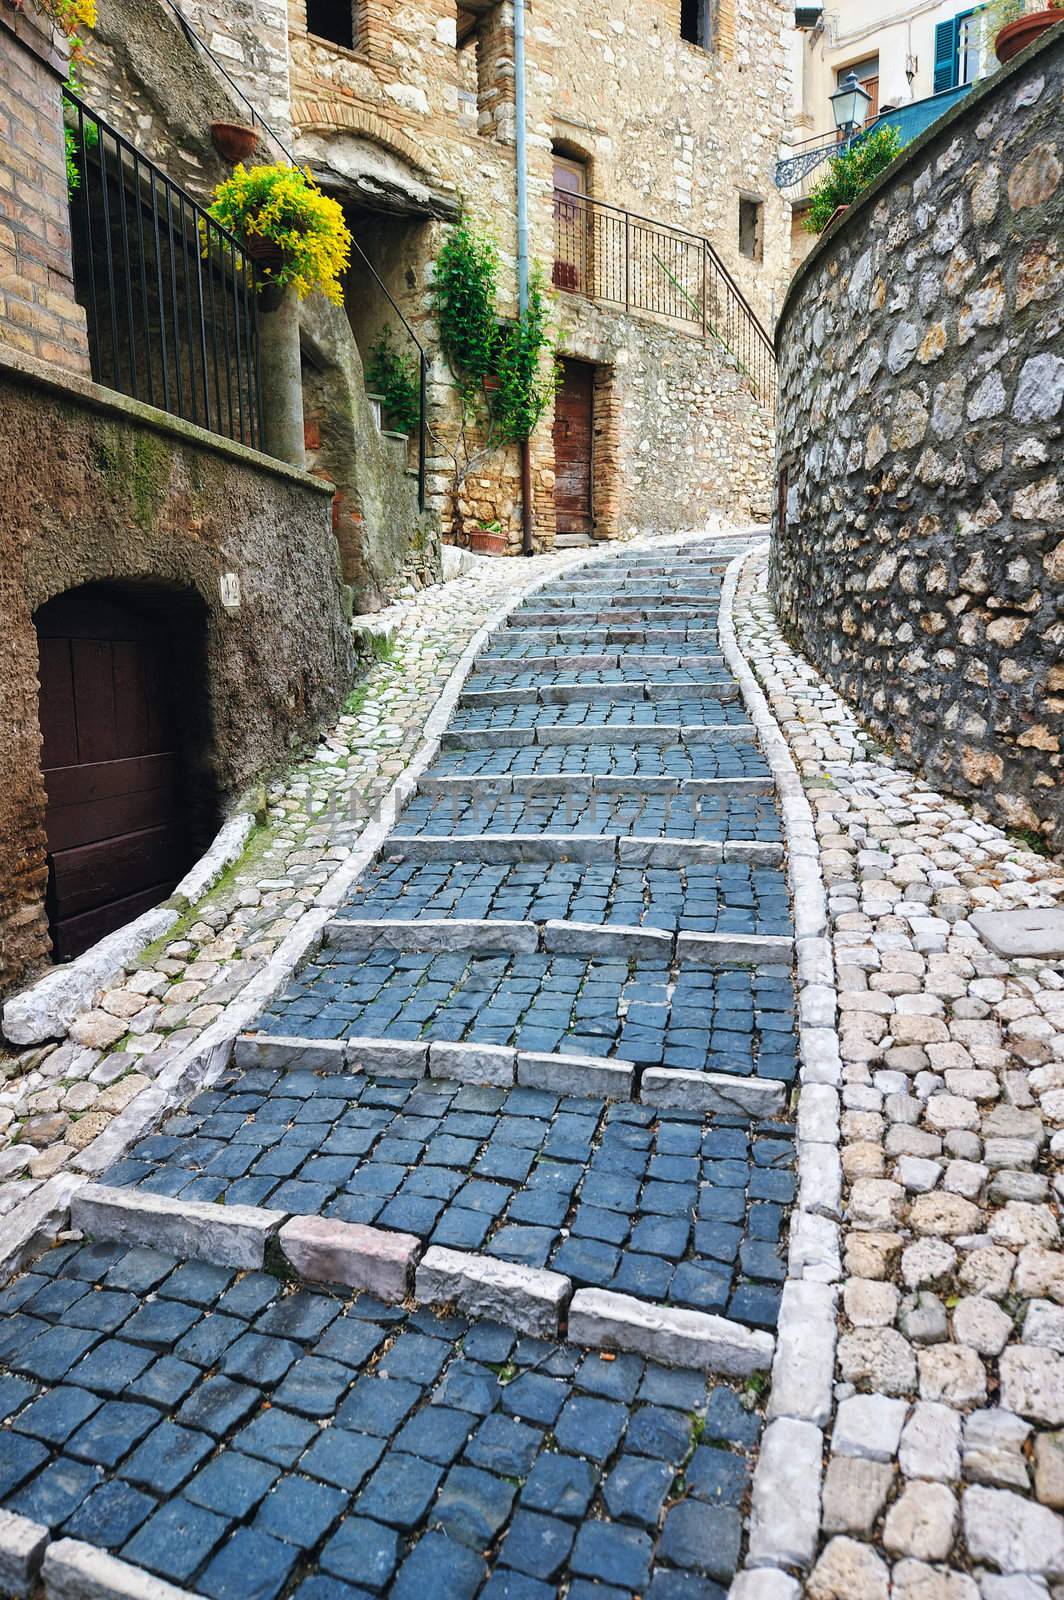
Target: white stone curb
(604,1320)
(228,846)
(325,1251)
(76,1571)
(227,1236)
(785,1517)
(675,1089)
(22,1545)
(530,1299)
(431,933)
(48,1007)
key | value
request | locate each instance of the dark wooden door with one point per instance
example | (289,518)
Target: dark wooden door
(114,819)
(570,224)
(573,415)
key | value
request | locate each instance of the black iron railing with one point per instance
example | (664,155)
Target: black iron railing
(169,294)
(649,267)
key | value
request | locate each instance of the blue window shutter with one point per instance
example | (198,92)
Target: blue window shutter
(947,36)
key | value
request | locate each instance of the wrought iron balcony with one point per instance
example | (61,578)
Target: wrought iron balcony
(663,272)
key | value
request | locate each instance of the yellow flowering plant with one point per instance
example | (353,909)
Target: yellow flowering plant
(297,234)
(69,16)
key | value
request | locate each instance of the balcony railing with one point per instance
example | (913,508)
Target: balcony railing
(169,295)
(659,271)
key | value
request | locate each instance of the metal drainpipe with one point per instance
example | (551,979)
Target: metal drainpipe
(522,247)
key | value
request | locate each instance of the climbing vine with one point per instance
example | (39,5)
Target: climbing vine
(394,376)
(503,370)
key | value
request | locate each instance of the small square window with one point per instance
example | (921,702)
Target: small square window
(333,20)
(698,22)
(751,228)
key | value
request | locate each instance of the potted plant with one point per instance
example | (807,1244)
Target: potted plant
(851,171)
(296,234)
(488,539)
(1018,27)
(235,141)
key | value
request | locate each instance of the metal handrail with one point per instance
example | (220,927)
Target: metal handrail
(620,256)
(178,324)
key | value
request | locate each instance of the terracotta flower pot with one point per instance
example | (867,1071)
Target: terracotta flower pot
(835,215)
(267,252)
(234,140)
(1016,36)
(487,544)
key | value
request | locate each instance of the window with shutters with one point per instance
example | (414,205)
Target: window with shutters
(958,51)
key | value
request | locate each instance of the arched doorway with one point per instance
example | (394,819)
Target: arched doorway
(120,669)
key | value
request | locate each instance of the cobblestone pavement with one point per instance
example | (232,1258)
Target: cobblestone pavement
(241,1435)
(59,1097)
(945,1461)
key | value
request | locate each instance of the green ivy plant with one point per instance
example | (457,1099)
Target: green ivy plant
(70,138)
(501,369)
(394,376)
(850,172)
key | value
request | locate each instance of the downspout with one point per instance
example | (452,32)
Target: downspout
(522,247)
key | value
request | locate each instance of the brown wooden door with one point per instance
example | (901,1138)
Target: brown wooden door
(573,416)
(114,819)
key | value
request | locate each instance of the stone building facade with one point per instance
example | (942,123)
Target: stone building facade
(917,555)
(670,111)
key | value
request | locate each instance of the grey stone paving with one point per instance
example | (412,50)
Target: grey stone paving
(235,1435)
(240,1439)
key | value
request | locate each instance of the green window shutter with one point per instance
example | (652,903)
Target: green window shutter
(947,38)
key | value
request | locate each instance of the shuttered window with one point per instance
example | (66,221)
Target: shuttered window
(957,49)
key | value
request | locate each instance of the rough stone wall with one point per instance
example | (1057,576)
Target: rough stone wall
(918,556)
(677,415)
(128,500)
(38,312)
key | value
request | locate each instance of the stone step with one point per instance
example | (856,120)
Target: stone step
(598,733)
(549,694)
(502,666)
(396,1266)
(606,615)
(634,850)
(581,782)
(641,633)
(569,938)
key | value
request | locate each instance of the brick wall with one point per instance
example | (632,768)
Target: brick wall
(38,313)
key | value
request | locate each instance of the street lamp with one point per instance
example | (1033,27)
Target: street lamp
(850,103)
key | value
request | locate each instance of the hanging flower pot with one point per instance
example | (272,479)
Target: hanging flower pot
(1016,36)
(296,234)
(234,140)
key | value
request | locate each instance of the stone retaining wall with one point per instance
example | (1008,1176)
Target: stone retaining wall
(918,556)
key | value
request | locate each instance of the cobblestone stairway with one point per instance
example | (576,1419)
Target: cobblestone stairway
(529,1098)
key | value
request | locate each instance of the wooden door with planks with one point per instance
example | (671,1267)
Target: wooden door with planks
(574,407)
(117,841)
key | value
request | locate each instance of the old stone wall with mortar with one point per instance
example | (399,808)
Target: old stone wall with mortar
(917,555)
(131,501)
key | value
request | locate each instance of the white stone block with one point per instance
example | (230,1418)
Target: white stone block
(400,1058)
(804,1365)
(198,1230)
(22,1545)
(869,1425)
(590,1076)
(76,1571)
(604,1320)
(530,1299)
(614,939)
(431,933)
(288,1051)
(473,1063)
(734,949)
(678,1090)
(324,1250)
(785,1509)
